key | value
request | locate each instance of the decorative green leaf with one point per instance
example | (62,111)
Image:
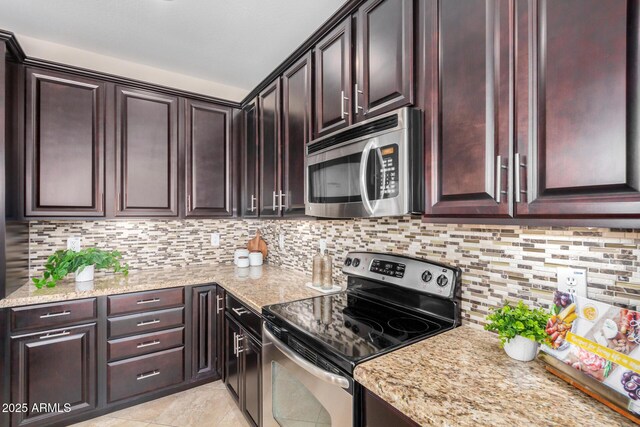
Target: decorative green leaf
(510,321)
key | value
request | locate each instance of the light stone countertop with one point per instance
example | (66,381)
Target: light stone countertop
(254,286)
(463,378)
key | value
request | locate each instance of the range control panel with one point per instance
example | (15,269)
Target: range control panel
(412,273)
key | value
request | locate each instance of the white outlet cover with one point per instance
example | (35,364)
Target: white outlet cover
(572,280)
(74,243)
(215,240)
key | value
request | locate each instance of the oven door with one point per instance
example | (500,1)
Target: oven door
(297,392)
(364,178)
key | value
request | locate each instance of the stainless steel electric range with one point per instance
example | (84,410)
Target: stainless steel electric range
(312,346)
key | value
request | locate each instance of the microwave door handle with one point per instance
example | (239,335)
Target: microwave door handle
(329,377)
(363,176)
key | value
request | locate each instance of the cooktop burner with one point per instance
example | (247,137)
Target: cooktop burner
(408,325)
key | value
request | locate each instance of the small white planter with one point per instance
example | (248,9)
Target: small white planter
(521,348)
(86,275)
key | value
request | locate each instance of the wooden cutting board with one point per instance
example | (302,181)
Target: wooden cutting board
(257,244)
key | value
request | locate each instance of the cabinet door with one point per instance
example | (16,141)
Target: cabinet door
(333,80)
(64,145)
(296,132)
(471,143)
(220,345)
(378,413)
(249,192)
(252,377)
(203,327)
(146,153)
(269,136)
(232,359)
(208,159)
(52,368)
(385,57)
(577,108)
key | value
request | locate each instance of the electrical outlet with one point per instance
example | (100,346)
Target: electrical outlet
(572,280)
(215,240)
(281,241)
(73,243)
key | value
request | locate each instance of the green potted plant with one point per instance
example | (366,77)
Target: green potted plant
(82,263)
(521,329)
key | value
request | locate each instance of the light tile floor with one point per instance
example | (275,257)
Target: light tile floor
(207,405)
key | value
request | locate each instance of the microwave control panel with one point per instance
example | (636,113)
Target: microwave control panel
(386,172)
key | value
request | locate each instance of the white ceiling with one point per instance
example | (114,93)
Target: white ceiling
(236,43)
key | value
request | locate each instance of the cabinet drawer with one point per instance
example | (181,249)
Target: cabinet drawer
(144,344)
(145,322)
(52,315)
(143,301)
(247,318)
(143,374)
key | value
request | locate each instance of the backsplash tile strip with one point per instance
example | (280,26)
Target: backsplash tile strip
(499,263)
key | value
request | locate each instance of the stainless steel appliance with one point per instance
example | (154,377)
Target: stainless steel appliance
(312,346)
(373,168)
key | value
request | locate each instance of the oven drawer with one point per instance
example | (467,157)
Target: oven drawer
(132,377)
(247,318)
(145,322)
(52,315)
(143,301)
(143,344)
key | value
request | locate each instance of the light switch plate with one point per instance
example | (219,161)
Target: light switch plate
(215,240)
(281,241)
(572,280)
(74,244)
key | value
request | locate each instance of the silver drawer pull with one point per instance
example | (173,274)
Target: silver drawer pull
(240,311)
(148,344)
(149,322)
(218,304)
(148,374)
(61,334)
(148,301)
(239,349)
(60,313)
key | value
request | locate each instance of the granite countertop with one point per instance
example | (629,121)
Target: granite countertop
(463,378)
(255,286)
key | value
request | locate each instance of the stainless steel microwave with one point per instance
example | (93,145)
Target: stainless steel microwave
(370,169)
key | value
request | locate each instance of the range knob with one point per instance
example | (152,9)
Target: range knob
(356,262)
(427,276)
(347,262)
(442,280)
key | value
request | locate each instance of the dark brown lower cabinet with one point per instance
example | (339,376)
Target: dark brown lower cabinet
(378,413)
(203,326)
(232,361)
(52,369)
(220,347)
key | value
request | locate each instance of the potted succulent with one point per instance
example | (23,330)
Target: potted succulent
(82,263)
(521,329)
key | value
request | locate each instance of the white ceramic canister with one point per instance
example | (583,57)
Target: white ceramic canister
(243,261)
(255,259)
(238,253)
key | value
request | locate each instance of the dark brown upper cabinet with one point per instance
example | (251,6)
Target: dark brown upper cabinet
(469,146)
(64,145)
(269,148)
(384,75)
(208,160)
(296,132)
(577,109)
(333,78)
(146,153)
(249,196)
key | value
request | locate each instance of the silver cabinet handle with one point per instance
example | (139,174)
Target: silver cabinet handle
(148,344)
(235,344)
(358,107)
(61,313)
(189,203)
(275,206)
(343,98)
(238,348)
(499,167)
(148,301)
(149,322)
(60,334)
(253,206)
(281,195)
(240,311)
(219,307)
(517,177)
(326,376)
(148,374)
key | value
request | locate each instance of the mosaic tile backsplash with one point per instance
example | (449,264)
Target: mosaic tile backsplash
(499,263)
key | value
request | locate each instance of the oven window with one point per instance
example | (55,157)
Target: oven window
(335,181)
(292,403)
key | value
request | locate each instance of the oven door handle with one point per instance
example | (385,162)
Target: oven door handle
(363,176)
(334,379)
